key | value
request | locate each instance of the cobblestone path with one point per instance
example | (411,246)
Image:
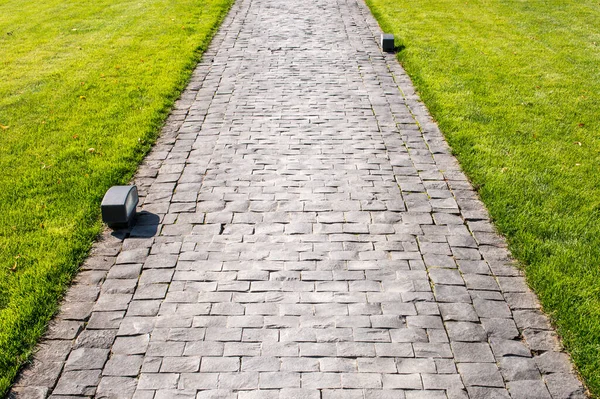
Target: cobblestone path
(306,234)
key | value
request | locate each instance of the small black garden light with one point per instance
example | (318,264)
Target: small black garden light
(387,42)
(118,206)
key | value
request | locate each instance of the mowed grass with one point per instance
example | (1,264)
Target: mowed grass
(84,89)
(515,87)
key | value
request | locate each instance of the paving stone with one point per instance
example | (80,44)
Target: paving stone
(279,380)
(432,350)
(480,374)
(217,364)
(503,347)
(158,381)
(293,393)
(472,352)
(513,284)
(531,389)
(159,348)
(187,364)
(131,345)
(500,328)
(76,310)
(143,308)
(519,368)
(95,339)
(320,380)
(105,320)
(175,394)
(424,322)
(269,364)
(458,312)
(82,293)
(442,381)
(445,276)
(553,362)
(136,325)
(490,309)
(451,294)
(83,382)
(29,392)
(53,350)
(86,359)
(42,373)
(133,256)
(63,329)
(487,393)
(151,364)
(541,340)
(123,366)
(376,365)
(526,319)
(426,394)
(474,267)
(239,381)
(416,366)
(466,332)
(116,387)
(564,385)
(112,302)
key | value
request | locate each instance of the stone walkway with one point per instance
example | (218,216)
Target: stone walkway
(305,234)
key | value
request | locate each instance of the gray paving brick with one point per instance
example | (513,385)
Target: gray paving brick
(43,373)
(116,387)
(534,389)
(480,374)
(63,329)
(515,368)
(487,393)
(83,382)
(501,328)
(239,381)
(503,347)
(442,381)
(131,345)
(123,366)
(86,359)
(402,381)
(472,352)
(564,385)
(466,332)
(553,362)
(203,381)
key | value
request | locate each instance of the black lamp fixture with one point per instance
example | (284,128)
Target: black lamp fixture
(118,206)
(387,42)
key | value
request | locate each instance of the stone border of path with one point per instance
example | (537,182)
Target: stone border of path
(86,329)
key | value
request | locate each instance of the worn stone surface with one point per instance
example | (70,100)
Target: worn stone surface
(303,232)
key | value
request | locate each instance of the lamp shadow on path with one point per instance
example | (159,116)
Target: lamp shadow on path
(145,225)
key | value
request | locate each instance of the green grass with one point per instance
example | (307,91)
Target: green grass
(515,87)
(84,89)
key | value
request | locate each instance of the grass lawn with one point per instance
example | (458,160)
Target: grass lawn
(84,89)
(515,87)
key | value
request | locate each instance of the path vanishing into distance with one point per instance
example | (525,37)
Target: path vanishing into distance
(304,232)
